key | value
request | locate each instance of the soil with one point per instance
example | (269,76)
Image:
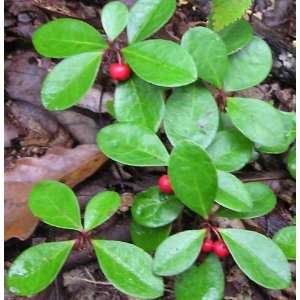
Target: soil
(31,131)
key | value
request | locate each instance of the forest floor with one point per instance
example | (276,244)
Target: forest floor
(61,145)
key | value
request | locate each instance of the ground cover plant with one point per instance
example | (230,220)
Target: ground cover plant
(174,107)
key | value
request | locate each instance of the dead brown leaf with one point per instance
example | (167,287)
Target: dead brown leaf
(70,166)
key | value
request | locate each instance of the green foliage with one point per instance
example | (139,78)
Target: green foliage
(114,17)
(285,238)
(66,37)
(193,177)
(209,53)
(205,281)
(263,198)
(55,204)
(128,268)
(100,208)
(230,150)
(191,114)
(139,102)
(154,209)
(70,80)
(292,162)
(132,145)
(258,257)
(161,62)
(148,238)
(178,252)
(146,17)
(237,35)
(37,267)
(232,193)
(249,66)
(226,12)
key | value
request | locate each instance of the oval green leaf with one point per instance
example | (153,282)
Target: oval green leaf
(148,238)
(146,17)
(230,150)
(232,193)
(205,281)
(55,204)
(37,267)
(154,209)
(191,114)
(175,65)
(209,53)
(139,102)
(114,17)
(132,145)
(66,37)
(285,238)
(178,252)
(193,177)
(70,80)
(258,257)
(263,198)
(237,35)
(292,162)
(128,268)
(249,66)
(100,208)
(257,120)
(289,123)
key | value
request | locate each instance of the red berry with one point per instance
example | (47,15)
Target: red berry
(208,246)
(165,185)
(220,249)
(119,71)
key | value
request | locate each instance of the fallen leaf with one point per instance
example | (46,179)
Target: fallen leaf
(70,166)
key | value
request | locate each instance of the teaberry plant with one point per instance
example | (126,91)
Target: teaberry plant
(128,267)
(212,135)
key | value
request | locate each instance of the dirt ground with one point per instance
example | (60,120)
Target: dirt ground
(36,139)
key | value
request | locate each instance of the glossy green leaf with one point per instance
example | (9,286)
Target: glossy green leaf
(55,204)
(249,66)
(178,252)
(37,267)
(146,17)
(132,145)
(209,53)
(148,238)
(193,177)
(258,257)
(70,80)
(257,120)
(154,209)
(232,193)
(128,268)
(225,12)
(292,162)
(263,198)
(100,208)
(66,37)
(237,35)
(230,150)
(285,238)
(289,123)
(139,102)
(161,62)
(191,114)
(114,17)
(205,281)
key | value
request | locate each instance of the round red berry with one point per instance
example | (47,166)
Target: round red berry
(220,249)
(119,71)
(164,184)
(208,246)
